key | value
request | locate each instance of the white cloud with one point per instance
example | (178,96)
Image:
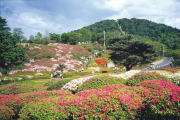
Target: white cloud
(33,22)
(33,18)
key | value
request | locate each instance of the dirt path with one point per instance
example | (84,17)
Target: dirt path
(73,84)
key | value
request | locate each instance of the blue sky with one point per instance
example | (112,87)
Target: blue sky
(58,16)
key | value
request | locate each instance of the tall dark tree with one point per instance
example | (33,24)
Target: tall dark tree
(129,52)
(12,54)
(3,25)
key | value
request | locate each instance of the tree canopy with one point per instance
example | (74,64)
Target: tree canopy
(12,54)
(129,52)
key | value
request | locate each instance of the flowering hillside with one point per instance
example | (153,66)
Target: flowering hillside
(149,100)
(48,57)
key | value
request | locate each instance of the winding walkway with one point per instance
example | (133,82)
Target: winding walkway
(73,84)
(165,62)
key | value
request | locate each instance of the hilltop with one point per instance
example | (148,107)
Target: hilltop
(141,27)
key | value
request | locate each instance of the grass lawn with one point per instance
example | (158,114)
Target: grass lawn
(36,82)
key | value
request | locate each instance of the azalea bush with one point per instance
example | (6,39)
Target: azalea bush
(148,100)
(162,100)
(101,61)
(100,81)
(142,76)
(173,76)
(40,51)
(113,102)
(16,102)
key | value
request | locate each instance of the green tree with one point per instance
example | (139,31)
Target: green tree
(31,39)
(12,54)
(18,33)
(175,54)
(86,34)
(61,67)
(71,38)
(129,52)
(3,25)
(38,35)
(55,37)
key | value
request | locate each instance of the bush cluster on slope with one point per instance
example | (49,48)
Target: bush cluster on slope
(17,89)
(98,82)
(153,99)
(143,76)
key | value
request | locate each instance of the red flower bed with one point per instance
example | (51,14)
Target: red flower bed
(101,61)
(115,102)
(162,98)
(152,99)
(16,102)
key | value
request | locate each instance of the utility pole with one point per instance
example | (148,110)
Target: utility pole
(104,40)
(60,37)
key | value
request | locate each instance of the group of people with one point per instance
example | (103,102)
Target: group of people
(57,75)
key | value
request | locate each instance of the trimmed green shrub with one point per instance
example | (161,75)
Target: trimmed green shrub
(142,76)
(74,73)
(99,81)
(55,85)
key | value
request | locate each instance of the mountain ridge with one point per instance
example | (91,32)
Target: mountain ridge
(145,28)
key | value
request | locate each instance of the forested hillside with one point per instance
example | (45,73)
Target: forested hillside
(141,27)
(157,32)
